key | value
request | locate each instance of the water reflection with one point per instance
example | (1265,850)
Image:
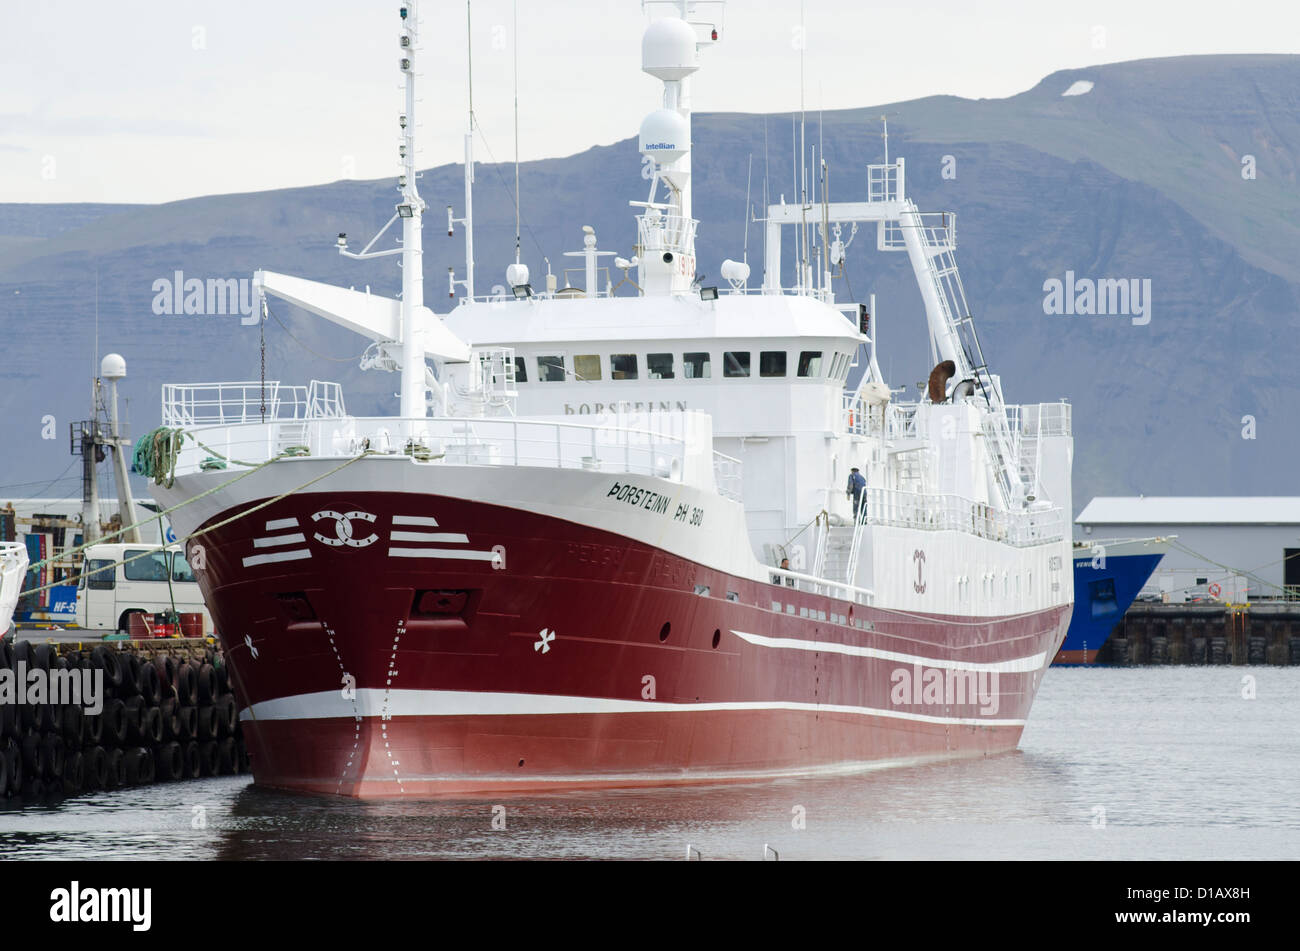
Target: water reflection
(1114,764)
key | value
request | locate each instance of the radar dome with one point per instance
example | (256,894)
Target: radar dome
(668,49)
(737,271)
(113,367)
(666,135)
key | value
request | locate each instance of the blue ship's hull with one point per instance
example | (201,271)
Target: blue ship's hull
(1102,594)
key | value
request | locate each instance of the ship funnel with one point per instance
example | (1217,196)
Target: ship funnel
(668,49)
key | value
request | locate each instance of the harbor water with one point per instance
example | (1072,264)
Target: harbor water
(1138,763)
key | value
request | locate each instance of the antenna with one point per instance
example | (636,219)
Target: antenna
(884,124)
(468,220)
(766,204)
(794,174)
(515,40)
(94,356)
(821,150)
(803,148)
(749,180)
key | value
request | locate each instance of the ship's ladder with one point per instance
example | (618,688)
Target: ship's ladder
(938,266)
(838,553)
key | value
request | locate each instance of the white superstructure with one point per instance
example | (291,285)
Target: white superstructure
(739,393)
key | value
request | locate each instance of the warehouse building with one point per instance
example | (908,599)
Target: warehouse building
(1226,548)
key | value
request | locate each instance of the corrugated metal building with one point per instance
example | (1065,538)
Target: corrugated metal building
(1226,546)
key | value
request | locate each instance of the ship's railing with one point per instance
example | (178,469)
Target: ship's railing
(325,400)
(728,476)
(474,441)
(882,183)
(1086,546)
(955,513)
(1047,419)
(812,584)
(903,421)
(657,232)
(201,404)
(938,231)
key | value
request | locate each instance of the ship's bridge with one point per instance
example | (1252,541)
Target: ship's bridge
(760,365)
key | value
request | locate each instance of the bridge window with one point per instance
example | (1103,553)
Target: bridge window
(810,363)
(622,366)
(771,363)
(586,366)
(659,365)
(550,369)
(735,363)
(835,366)
(521,370)
(696,366)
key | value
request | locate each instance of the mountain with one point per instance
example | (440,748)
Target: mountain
(1181,172)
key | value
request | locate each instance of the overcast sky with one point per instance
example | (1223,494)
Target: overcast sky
(151,101)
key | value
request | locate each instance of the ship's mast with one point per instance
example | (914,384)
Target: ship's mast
(411,211)
(468,220)
(669,52)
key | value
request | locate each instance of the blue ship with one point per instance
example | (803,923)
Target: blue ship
(1108,574)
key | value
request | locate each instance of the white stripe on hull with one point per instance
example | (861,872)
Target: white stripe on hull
(424,520)
(277,540)
(1018,665)
(451,553)
(278,556)
(455,538)
(374,702)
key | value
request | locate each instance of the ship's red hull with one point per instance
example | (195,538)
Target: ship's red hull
(528,652)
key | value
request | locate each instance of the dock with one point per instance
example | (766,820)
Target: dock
(167,713)
(1213,632)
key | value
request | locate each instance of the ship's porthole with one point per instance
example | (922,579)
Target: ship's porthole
(663,631)
(521,762)
(717,638)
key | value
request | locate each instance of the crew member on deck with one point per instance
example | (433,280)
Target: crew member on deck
(785,566)
(856,484)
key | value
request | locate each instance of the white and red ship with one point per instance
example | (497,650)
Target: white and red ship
(560,564)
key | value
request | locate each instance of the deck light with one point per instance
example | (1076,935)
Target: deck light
(406,211)
(708,293)
(523,291)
